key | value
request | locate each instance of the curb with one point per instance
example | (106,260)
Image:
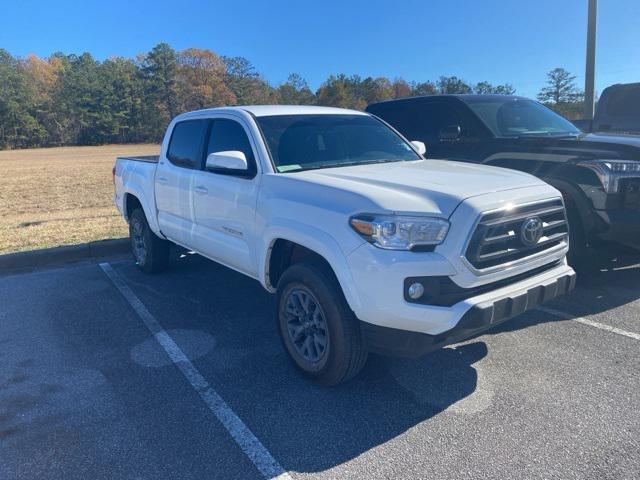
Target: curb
(65,254)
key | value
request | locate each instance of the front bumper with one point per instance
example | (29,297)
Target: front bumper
(379,276)
(479,317)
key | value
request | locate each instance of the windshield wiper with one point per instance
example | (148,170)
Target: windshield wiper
(341,164)
(567,135)
(546,135)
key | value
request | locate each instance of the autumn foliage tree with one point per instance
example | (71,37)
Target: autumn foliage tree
(79,100)
(246,83)
(354,91)
(201,80)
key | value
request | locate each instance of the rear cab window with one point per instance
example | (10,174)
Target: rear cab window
(187,143)
(624,102)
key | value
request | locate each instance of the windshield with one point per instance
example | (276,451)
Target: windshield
(515,117)
(305,142)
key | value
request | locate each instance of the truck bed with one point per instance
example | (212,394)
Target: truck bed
(142,158)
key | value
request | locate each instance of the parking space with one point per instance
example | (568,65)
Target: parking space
(611,290)
(86,391)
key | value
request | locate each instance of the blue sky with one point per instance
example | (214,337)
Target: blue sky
(514,41)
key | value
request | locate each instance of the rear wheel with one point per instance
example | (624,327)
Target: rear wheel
(150,251)
(319,331)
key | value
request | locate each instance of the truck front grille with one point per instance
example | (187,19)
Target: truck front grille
(499,237)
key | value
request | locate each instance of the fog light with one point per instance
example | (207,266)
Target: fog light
(415,290)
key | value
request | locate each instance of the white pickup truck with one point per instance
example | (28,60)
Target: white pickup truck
(368,246)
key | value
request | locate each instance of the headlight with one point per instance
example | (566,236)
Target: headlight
(399,232)
(610,172)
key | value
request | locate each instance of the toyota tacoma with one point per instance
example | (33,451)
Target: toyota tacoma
(367,246)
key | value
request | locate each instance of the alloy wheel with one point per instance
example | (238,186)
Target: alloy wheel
(306,325)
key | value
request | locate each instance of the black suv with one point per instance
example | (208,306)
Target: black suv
(598,174)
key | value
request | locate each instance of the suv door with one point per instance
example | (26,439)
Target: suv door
(225,203)
(174,180)
(424,119)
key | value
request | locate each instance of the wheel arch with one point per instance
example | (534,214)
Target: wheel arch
(284,247)
(575,198)
(131,202)
(133,199)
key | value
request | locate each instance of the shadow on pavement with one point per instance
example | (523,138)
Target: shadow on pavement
(606,280)
(308,428)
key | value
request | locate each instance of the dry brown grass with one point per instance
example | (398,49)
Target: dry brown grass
(60,196)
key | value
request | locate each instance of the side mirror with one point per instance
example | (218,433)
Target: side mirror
(450,133)
(420,146)
(231,161)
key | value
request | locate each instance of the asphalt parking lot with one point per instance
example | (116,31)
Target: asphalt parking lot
(88,391)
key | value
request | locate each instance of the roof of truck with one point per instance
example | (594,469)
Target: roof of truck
(269,110)
(452,96)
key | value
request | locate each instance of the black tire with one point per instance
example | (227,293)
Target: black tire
(344,354)
(577,255)
(150,252)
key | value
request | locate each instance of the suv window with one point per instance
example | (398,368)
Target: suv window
(516,117)
(185,146)
(230,135)
(424,120)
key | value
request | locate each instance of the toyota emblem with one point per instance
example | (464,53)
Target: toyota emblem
(531,231)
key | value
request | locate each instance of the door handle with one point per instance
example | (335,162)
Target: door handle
(201,190)
(162,180)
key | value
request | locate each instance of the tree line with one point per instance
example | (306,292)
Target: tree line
(78,100)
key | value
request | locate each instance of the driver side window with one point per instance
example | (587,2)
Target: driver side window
(230,135)
(437,116)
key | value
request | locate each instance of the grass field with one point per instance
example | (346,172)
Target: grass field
(60,196)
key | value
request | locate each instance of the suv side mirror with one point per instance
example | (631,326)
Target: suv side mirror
(450,133)
(420,146)
(229,161)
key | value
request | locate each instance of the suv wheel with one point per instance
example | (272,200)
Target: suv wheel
(317,327)
(150,251)
(577,255)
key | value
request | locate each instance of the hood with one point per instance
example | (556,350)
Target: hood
(427,186)
(622,139)
(576,148)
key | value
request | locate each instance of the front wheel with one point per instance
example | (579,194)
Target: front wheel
(150,251)
(577,255)
(318,329)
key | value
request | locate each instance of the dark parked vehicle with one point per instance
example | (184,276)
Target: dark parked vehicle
(598,174)
(618,111)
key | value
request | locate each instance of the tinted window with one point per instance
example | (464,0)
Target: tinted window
(423,120)
(303,142)
(624,102)
(229,135)
(185,147)
(515,117)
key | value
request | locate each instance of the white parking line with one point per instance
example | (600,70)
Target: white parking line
(591,323)
(246,440)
